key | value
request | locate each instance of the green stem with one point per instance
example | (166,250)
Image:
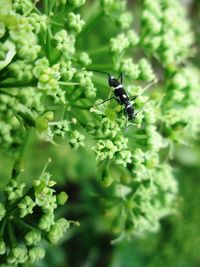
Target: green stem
(7,93)
(46,11)
(4,76)
(52,3)
(101,138)
(37,10)
(11,233)
(26,225)
(3,227)
(27,144)
(56,23)
(45,167)
(17,84)
(48,43)
(48,34)
(81,107)
(98,51)
(69,84)
(62,112)
(79,97)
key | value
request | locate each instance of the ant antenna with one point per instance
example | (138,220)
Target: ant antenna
(142,107)
(149,85)
(99,71)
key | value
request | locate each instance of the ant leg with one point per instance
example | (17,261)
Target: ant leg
(120,77)
(105,100)
(126,117)
(98,71)
(125,112)
(141,108)
(133,98)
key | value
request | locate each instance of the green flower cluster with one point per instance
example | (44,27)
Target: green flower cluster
(28,218)
(49,82)
(181,104)
(166,32)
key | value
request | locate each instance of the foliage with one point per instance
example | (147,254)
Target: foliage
(50,95)
(19,218)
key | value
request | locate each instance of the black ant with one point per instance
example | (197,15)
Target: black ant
(120,95)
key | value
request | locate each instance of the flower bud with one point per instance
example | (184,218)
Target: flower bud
(2,247)
(75,22)
(57,230)
(26,206)
(14,190)
(35,254)
(32,238)
(62,198)
(77,3)
(17,256)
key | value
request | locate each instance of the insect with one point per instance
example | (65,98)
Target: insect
(120,95)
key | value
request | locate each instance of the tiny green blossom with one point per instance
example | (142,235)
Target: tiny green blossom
(124,20)
(57,230)
(26,206)
(123,158)
(133,38)
(65,43)
(50,203)
(76,139)
(85,80)
(17,256)
(43,190)
(119,44)
(75,22)
(130,69)
(46,222)
(151,22)
(62,198)
(105,149)
(27,45)
(38,22)
(138,156)
(66,70)
(35,254)
(14,190)
(146,72)
(21,70)
(22,5)
(62,128)
(2,247)
(85,59)
(32,238)
(111,5)
(77,3)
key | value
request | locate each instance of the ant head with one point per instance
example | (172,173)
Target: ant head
(112,81)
